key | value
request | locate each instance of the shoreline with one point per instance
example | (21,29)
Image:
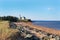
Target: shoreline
(48,24)
(28,30)
(45,29)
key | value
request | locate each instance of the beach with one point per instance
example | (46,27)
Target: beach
(45,29)
(26,31)
(40,32)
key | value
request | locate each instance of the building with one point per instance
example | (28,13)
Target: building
(23,18)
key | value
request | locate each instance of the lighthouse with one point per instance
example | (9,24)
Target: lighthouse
(23,18)
(20,17)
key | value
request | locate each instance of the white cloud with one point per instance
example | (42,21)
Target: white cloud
(49,8)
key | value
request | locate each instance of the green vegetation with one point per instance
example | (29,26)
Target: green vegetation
(9,18)
(13,19)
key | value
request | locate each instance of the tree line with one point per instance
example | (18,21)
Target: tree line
(13,19)
(9,18)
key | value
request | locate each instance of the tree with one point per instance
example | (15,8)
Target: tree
(9,18)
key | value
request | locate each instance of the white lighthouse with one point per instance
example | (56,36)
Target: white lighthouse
(23,18)
(20,17)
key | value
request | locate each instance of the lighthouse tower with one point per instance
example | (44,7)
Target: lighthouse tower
(20,17)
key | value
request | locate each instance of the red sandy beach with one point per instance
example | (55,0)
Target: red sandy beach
(45,29)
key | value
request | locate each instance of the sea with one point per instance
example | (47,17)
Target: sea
(49,24)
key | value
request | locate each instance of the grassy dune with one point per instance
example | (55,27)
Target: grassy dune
(5,31)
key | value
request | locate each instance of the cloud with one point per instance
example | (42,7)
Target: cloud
(49,8)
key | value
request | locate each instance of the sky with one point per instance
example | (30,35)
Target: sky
(32,9)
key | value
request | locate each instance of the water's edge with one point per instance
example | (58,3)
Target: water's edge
(49,24)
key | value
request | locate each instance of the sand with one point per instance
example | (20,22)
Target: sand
(45,29)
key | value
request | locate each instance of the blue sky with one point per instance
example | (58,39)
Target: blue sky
(33,9)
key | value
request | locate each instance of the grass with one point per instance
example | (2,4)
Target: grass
(5,31)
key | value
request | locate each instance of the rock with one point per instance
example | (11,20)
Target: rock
(28,36)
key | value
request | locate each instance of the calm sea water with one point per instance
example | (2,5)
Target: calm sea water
(50,24)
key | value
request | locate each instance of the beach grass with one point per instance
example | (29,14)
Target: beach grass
(5,31)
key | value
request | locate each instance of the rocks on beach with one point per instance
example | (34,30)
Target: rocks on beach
(33,34)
